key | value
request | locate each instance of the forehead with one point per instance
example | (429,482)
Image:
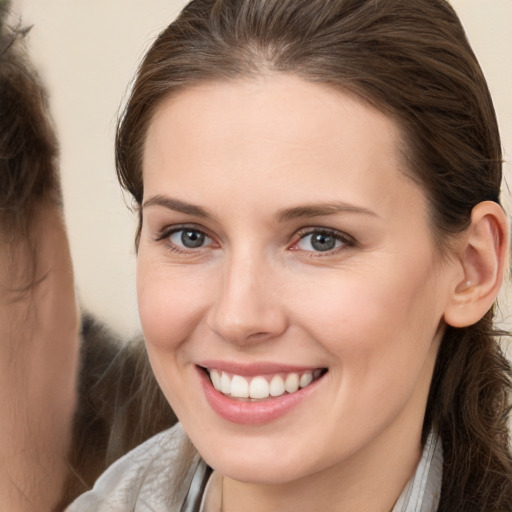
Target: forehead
(300,138)
(285,107)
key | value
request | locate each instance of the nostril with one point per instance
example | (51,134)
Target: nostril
(247,328)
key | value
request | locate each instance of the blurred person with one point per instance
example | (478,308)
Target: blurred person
(69,387)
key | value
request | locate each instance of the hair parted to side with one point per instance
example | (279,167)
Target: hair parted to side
(411,60)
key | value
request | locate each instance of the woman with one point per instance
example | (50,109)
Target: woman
(320,245)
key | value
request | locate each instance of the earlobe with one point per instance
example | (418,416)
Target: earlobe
(483,259)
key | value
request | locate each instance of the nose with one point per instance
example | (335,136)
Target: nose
(248,307)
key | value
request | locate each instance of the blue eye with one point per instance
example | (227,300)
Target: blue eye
(321,241)
(189,238)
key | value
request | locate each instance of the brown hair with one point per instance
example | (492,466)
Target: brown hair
(411,60)
(28,146)
(119,405)
(28,155)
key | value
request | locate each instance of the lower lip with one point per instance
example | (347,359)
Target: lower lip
(252,413)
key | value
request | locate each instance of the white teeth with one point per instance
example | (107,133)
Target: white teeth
(306,379)
(239,387)
(225,383)
(277,386)
(291,384)
(259,387)
(216,381)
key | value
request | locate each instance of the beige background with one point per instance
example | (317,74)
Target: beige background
(87,52)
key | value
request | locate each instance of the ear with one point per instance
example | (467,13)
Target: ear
(483,257)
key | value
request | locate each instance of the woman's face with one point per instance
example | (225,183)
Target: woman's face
(286,259)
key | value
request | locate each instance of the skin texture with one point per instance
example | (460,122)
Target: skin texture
(38,364)
(370,310)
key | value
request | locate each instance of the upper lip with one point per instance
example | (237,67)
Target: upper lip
(257,368)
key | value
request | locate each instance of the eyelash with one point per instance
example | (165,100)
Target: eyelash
(166,233)
(346,240)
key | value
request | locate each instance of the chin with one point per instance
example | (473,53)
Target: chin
(259,472)
(258,461)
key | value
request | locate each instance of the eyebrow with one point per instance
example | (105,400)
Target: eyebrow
(321,210)
(286,215)
(176,205)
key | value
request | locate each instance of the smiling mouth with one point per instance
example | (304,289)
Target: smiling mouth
(262,387)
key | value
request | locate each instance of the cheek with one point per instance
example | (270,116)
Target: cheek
(170,303)
(366,318)
(170,308)
(379,330)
